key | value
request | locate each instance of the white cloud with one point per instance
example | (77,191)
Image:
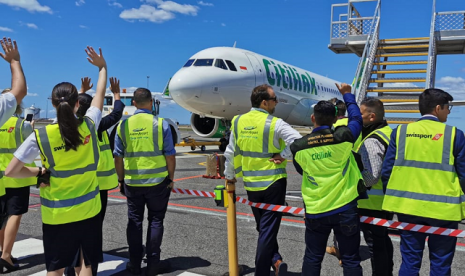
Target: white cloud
(32,25)
(29,5)
(164,11)
(146,12)
(222,24)
(171,6)
(115,4)
(205,4)
(5,29)
(83,27)
(32,94)
(400,84)
(453,85)
(80,3)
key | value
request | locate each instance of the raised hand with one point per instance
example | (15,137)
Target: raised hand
(94,58)
(114,85)
(344,88)
(86,84)
(10,49)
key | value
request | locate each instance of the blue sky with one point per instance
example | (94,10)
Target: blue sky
(155,38)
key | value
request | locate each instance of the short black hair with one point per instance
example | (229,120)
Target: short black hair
(341,108)
(325,113)
(432,97)
(142,96)
(85,100)
(259,94)
(376,106)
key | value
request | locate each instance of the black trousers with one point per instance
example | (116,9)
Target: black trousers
(268,223)
(379,243)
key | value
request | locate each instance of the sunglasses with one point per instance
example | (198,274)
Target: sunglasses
(273,99)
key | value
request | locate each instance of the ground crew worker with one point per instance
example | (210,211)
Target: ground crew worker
(145,141)
(330,180)
(70,202)
(257,151)
(10,100)
(423,178)
(376,135)
(106,173)
(16,199)
(342,119)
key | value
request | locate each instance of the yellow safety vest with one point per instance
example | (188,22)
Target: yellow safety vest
(106,173)
(375,194)
(330,174)
(345,122)
(144,162)
(423,180)
(254,135)
(10,139)
(73,194)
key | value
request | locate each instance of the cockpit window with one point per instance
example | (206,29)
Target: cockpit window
(231,65)
(189,63)
(204,62)
(220,64)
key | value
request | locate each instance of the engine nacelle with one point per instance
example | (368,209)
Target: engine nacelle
(207,127)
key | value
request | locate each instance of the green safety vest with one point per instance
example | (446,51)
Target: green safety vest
(254,135)
(345,122)
(330,173)
(106,173)
(375,194)
(144,162)
(73,194)
(10,139)
(423,180)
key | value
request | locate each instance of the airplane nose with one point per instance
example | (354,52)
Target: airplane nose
(185,87)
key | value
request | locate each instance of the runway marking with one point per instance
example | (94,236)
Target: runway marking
(189,274)
(27,248)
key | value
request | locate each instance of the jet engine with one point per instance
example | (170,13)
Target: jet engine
(207,127)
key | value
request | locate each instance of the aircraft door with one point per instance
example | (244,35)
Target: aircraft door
(258,70)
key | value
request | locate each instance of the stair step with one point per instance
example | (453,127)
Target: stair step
(401,62)
(390,80)
(401,120)
(391,47)
(405,39)
(403,54)
(398,71)
(395,89)
(398,98)
(402,111)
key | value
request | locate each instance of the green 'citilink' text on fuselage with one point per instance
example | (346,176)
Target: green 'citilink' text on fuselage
(298,82)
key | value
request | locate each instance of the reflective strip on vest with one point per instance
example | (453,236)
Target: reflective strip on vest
(146,171)
(426,197)
(48,152)
(258,184)
(375,192)
(238,170)
(69,202)
(265,172)
(380,133)
(443,166)
(106,173)
(105,147)
(156,151)
(346,167)
(17,138)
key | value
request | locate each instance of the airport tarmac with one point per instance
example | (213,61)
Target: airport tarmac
(195,238)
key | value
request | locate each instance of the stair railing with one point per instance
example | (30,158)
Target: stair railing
(366,61)
(431,69)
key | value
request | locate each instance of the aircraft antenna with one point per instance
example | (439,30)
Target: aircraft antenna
(234,46)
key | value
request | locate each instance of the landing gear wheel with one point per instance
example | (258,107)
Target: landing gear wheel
(192,148)
(202,148)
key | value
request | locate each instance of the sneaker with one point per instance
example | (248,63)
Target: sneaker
(162,267)
(135,270)
(331,250)
(280,268)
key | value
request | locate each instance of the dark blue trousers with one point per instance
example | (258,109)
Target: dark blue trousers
(346,227)
(412,244)
(268,223)
(156,199)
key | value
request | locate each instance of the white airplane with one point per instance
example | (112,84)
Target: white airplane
(215,85)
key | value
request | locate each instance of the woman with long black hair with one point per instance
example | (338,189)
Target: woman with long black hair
(69,191)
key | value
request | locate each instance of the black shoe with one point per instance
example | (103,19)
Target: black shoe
(135,270)
(7,266)
(159,268)
(13,259)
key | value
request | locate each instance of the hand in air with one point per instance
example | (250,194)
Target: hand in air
(11,50)
(86,84)
(94,58)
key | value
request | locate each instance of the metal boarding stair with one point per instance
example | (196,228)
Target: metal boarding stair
(397,70)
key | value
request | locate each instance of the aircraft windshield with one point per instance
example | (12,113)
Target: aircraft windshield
(108,101)
(231,65)
(220,64)
(189,63)
(127,100)
(204,62)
